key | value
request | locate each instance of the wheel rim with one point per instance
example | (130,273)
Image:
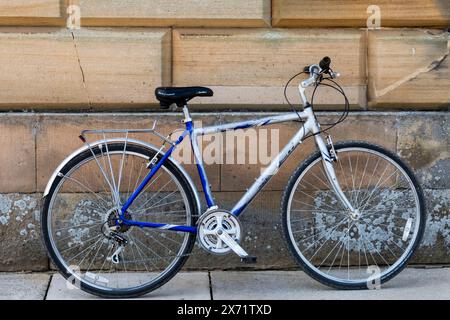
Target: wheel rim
(127,275)
(335,238)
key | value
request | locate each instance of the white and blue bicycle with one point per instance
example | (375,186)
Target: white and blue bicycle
(121,216)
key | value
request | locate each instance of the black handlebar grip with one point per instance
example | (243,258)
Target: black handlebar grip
(325,63)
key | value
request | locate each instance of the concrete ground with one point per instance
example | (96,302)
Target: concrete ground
(412,283)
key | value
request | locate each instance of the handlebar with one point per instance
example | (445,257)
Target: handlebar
(324,66)
(316,69)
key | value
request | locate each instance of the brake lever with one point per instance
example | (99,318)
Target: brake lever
(334,75)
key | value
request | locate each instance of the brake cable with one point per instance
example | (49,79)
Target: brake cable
(285,94)
(318,83)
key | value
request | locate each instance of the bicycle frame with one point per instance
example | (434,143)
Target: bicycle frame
(311,126)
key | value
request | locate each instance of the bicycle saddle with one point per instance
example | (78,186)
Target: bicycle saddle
(180,95)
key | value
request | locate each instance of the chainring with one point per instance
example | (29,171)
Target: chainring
(210,222)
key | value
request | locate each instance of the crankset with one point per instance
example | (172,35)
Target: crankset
(220,232)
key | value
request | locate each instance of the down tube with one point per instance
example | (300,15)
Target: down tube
(270,171)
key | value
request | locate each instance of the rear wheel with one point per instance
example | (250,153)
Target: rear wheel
(340,249)
(82,208)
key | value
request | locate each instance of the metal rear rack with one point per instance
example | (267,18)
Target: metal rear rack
(127,131)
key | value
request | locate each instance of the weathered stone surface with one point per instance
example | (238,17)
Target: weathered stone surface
(21,248)
(23,286)
(435,246)
(245,66)
(31,12)
(51,68)
(184,286)
(17,159)
(408,68)
(424,142)
(231,13)
(347,13)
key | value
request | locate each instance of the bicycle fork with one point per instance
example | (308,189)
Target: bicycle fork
(327,162)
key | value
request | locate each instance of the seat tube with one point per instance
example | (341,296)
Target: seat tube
(198,158)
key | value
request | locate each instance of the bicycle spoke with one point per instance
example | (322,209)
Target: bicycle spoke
(119,180)
(139,209)
(101,169)
(360,182)
(80,225)
(90,191)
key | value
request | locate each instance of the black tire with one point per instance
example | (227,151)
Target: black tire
(289,189)
(120,293)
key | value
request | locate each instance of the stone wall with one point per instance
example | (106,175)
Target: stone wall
(55,81)
(244,50)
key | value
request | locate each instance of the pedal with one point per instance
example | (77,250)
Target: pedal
(249,259)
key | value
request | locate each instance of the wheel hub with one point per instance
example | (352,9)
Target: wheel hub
(355,215)
(114,223)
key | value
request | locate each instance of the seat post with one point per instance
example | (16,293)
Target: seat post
(187,116)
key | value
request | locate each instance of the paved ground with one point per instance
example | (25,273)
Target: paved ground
(412,283)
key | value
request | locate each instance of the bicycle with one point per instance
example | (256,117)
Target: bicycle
(352,212)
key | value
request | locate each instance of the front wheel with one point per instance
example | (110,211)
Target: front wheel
(338,248)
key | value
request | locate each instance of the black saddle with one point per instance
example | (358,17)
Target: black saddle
(180,95)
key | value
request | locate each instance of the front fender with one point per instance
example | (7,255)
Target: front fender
(129,141)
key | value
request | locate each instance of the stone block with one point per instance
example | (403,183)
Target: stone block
(249,67)
(17,138)
(32,12)
(408,69)
(21,248)
(204,13)
(23,286)
(347,13)
(82,69)
(424,143)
